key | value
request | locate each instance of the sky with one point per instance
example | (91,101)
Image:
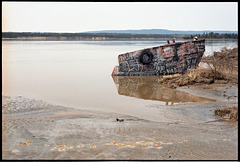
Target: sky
(93,16)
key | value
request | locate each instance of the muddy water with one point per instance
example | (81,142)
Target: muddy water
(148,88)
(78,74)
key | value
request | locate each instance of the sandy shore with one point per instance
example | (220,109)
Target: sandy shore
(34,129)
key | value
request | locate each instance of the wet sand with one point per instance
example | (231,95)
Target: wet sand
(36,130)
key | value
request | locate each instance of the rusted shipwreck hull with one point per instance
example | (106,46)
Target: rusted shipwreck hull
(162,60)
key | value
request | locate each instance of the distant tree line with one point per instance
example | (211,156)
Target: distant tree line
(117,35)
(213,35)
(87,35)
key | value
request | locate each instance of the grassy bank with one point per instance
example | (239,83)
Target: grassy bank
(222,68)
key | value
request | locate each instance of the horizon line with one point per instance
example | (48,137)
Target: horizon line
(119,30)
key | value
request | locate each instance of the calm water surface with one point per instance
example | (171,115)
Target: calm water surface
(78,74)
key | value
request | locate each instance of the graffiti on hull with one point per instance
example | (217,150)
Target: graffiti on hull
(162,60)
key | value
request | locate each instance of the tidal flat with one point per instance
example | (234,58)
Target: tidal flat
(37,130)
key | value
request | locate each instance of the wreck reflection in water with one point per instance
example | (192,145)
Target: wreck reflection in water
(148,88)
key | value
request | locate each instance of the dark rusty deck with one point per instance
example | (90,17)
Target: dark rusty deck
(162,60)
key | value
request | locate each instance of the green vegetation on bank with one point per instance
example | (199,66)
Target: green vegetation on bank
(86,35)
(213,35)
(116,35)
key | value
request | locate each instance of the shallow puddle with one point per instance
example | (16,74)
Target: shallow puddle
(148,88)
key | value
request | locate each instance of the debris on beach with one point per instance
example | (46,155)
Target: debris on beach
(227,113)
(119,120)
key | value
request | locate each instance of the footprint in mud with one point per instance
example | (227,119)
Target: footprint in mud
(129,146)
(27,143)
(183,141)
(158,147)
(69,147)
(149,147)
(130,143)
(58,147)
(93,146)
(115,143)
(66,148)
(162,143)
(143,144)
(62,148)
(15,151)
(80,146)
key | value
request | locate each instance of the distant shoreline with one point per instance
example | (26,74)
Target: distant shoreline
(110,36)
(98,39)
(85,39)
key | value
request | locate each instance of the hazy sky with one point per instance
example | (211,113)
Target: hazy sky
(89,16)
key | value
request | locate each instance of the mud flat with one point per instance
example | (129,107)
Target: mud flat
(36,130)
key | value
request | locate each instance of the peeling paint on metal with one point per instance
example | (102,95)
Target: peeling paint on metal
(162,60)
